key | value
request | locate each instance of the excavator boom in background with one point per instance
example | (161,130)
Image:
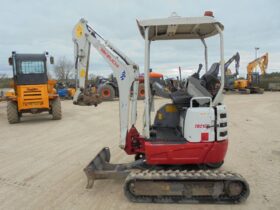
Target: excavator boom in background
(252,74)
(251,84)
(229,76)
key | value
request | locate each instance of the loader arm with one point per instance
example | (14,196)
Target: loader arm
(124,69)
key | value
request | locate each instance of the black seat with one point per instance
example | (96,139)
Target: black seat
(207,86)
(210,79)
(213,71)
(181,97)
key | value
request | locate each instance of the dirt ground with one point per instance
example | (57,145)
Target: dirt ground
(42,161)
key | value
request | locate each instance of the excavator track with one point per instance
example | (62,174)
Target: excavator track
(183,186)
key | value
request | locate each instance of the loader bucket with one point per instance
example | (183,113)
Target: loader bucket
(101,168)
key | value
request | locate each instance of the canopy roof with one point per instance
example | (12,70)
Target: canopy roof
(176,27)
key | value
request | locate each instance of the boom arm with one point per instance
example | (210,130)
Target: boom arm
(125,71)
(262,62)
(235,58)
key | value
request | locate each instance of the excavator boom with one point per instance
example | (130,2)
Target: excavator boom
(124,69)
(260,62)
(235,58)
(229,76)
(251,84)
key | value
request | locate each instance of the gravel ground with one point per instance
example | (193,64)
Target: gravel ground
(42,161)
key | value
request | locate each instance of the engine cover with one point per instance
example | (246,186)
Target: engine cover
(199,124)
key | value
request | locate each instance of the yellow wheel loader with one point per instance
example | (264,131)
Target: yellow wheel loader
(32,91)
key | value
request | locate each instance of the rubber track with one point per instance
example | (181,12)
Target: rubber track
(184,175)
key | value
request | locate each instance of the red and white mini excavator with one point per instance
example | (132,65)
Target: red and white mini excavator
(176,156)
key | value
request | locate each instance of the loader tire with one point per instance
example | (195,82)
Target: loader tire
(12,112)
(141,92)
(107,92)
(56,109)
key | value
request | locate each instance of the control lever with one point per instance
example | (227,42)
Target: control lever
(196,74)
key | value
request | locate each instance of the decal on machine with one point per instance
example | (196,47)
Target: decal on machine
(79,30)
(123,75)
(32,89)
(82,73)
(201,125)
(204,137)
(107,55)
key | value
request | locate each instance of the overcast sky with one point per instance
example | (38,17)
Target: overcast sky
(34,26)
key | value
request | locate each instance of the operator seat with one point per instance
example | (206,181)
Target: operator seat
(210,79)
(207,86)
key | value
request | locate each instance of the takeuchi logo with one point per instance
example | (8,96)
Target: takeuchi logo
(107,55)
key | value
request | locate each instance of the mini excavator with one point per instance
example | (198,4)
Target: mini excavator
(178,155)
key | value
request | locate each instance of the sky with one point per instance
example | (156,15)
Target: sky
(32,26)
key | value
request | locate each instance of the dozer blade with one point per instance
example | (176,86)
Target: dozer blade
(176,186)
(101,168)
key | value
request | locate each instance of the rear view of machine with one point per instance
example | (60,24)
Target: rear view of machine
(175,156)
(33,92)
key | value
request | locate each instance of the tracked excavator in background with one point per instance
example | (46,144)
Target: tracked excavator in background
(229,76)
(252,83)
(178,155)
